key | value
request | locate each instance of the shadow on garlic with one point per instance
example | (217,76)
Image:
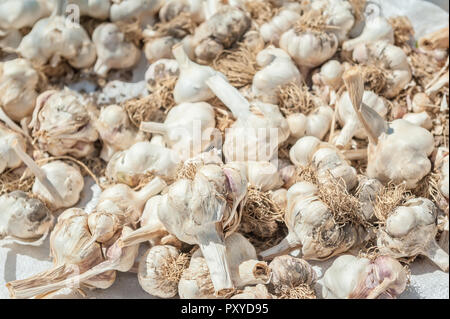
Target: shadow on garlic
(62,124)
(410,230)
(24,220)
(161,70)
(113,51)
(8,156)
(350,277)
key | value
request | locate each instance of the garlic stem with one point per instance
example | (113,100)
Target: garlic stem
(347,132)
(180,55)
(154,127)
(354,155)
(288,244)
(38,172)
(155,186)
(60,7)
(141,235)
(5,118)
(229,95)
(437,255)
(380,288)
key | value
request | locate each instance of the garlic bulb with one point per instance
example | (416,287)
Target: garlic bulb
(278,69)
(62,125)
(52,39)
(187,128)
(219,32)
(291,272)
(8,157)
(172,8)
(330,74)
(259,129)
(115,131)
(350,277)
(143,11)
(18,82)
(254,292)
(159,48)
(197,212)
(420,119)
(271,31)
(338,13)
(263,175)
(98,9)
(23,220)
(143,157)
(312,227)
(279,196)
(191,85)
(328,161)
(444,181)
(316,124)
(10,40)
(17,14)
(113,51)
(411,230)
(153,273)
(347,117)
(367,192)
(161,69)
(392,59)
(377,28)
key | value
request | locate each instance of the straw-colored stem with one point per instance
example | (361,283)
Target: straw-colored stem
(355,155)
(437,255)
(141,235)
(287,245)
(154,127)
(181,56)
(12,125)
(155,186)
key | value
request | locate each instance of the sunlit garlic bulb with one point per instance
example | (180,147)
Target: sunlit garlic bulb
(316,124)
(159,48)
(271,31)
(8,157)
(291,272)
(160,70)
(98,9)
(17,14)
(338,13)
(263,175)
(350,277)
(254,292)
(330,74)
(144,11)
(172,8)
(421,119)
(24,220)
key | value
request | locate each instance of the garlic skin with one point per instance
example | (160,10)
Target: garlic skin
(421,119)
(115,131)
(191,85)
(17,14)
(263,175)
(271,31)
(254,292)
(291,272)
(219,32)
(143,11)
(187,128)
(367,192)
(129,165)
(173,8)
(113,52)
(159,48)
(278,69)
(411,230)
(150,274)
(312,227)
(66,179)
(8,157)
(62,125)
(52,39)
(347,117)
(161,69)
(18,82)
(24,220)
(376,28)
(316,124)
(259,129)
(444,180)
(98,9)
(10,40)
(392,59)
(330,74)
(350,277)
(339,13)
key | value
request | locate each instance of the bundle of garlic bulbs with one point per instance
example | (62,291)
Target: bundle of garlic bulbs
(265,135)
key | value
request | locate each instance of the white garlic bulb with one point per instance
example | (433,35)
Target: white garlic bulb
(62,124)
(173,8)
(113,51)
(187,128)
(421,119)
(254,292)
(17,14)
(161,69)
(278,69)
(350,277)
(259,129)
(8,157)
(271,31)
(338,13)
(316,124)
(330,74)
(159,48)
(411,230)
(24,220)
(98,9)
(367,192)
(143,11)
(291,272)
(141,158)
(444,180)
(263,175)
(54,38)
(18,82)
(115,131)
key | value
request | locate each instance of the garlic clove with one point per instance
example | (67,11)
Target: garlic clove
(421,119)
(271,31)
(8,156)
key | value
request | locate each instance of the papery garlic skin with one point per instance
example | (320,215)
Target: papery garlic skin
(377,28)
(263,175)
(113,51)
(350,277)
(173,8)
(66,179)
(316,124)
(18,82)
(24,220)
(444,181)
(254,292)
(16,14)
(410,230)
(339,13)
(278,69)
(420,119)
(143,11)
(115,131)
(271,31)
(187,128)
(330,74)
(98,9)
(62,124)
(290,271)
(392,59)
(161,69)
(367,192)
(159,48)
(8,157)
(127,166)
(351,127)
(54,38)
(401,154)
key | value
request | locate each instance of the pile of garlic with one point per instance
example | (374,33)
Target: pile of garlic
(334,145)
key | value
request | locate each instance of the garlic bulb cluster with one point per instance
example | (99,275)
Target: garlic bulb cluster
(316,124)
(18,82)
(115,131)
(411,230)
(278,69)
(130,165)
(62,124)
(113,51)
(187,129)
(24,220)
(259,127)
(350,277)
(8,157)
